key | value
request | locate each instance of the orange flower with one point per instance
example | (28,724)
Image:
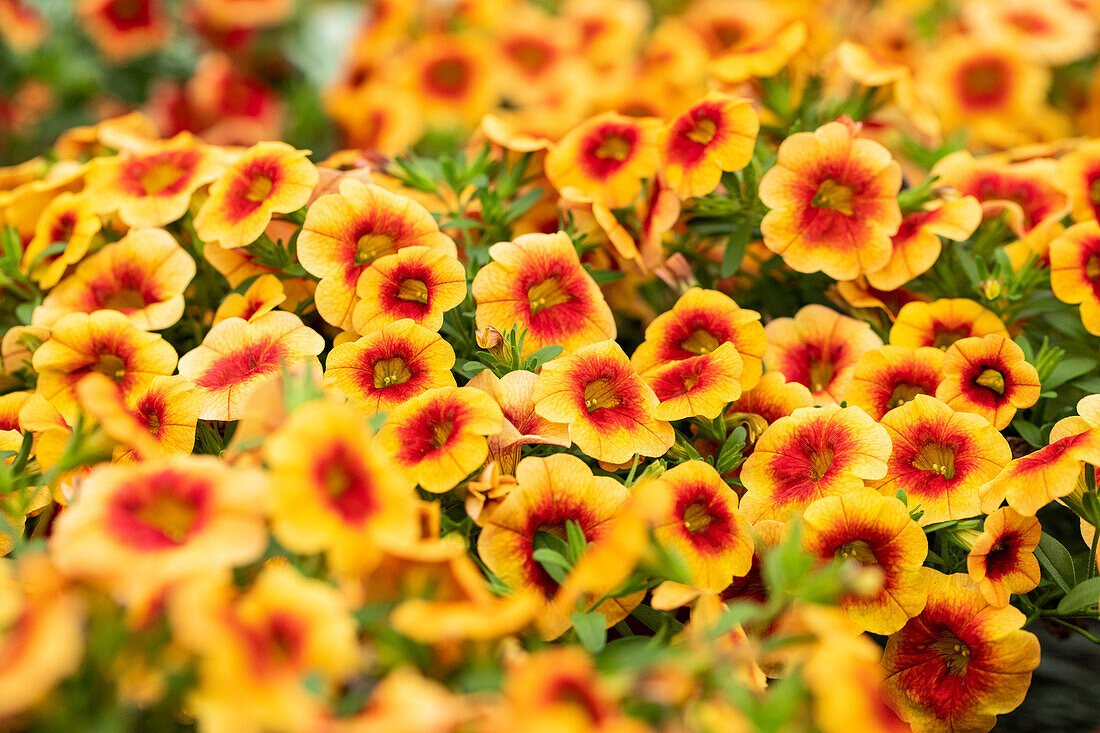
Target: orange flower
(269,178)
(104,341)
(1002,560)
(335,489)
(772,398)
(1075,271)
(717,134)
(21,25)
(522,425)
(282,644)
(893,375)
(142,276)
(605,158)
(537,282)
(960,662)
(814,452)
(696,515)
(1026,193)
(438,437)
(701,386)
(262,296)
(764,58)
(67,219)
(550,492)
(151,423)
(699,323)
(385,369)
(417,283)
(247,14)
(123,29)
(237,355)
(379,116)
(152,187)
(347,231)
(989,377)
(916,246)
(42,641)
(833,201)
(1031,482)
(818,348)
(452,76)
(138,529)
(940,458)
(608,408)
(943,322)
(1079,176)
(1052,34)
(873,531)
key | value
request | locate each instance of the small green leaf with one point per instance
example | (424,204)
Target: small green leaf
(555,565)
(591,630)
(736,245)
(730,457)
(543,355)
(1056,560)
(603,277)
(575,539)
(1085,595)
(1029,432)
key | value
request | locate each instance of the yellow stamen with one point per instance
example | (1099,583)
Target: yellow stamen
(991,379)
(703,131)
(835,196)
(600,393)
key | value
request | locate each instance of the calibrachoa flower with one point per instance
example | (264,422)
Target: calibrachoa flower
(701,386)
(943,322)
(347,231)
(608,408)
(940,458)
(874,531)
(264,295)
(818,348)
(696,514)
(67,219)
(699,323)
(280,643)
(151,423)
(989,377)
(514,393)
(335,489)
(961,662)
(123,29)
(1079,174)
(605,158)
(893,375)
(1002,559)
(152,187)
(142,276)
(106,342)
(833,201)
(718,133)
(537,283)
(1075,271)
(139,529)
(438,437)
(237,355)
(269,178)
(814,452)
(387,368)
(550,492)
(764,57)
(416,282)
(772,398)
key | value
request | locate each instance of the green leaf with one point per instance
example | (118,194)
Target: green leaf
(730,455)
(1056,561)
(1029,432)
(575,539)
(603,277)
(736,245)
(591,630)
(1085,595)
(543,355)
(555,565)
(1069,368)
(522,204)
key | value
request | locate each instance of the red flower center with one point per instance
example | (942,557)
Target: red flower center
(937,458)
(345,482)
(984,83)
(161,512)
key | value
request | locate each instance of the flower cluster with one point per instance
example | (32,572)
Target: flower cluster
(730,369)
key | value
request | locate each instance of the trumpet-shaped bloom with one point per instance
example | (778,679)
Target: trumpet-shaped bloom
(416,282)
(438,437)
(814,452)
(260,298)
(68,219)
(1031,482)
(345,232)
(151,423)
(608,408)
(451,76)
(893,375)
(960,662)
(874,531)
(699,323)
(387,368)
(833,201)
(989,377)
(773,397)
(701,386)
(104,341)
(269,178)
(514,392)
(537,283)
(1002,560)
(764,58)
(1079,174)
(940,458)
(695,513)
(123,29)
(237,355)
(943,322)
(142,276)
(605,158)
(916,246)
(141,528)
(818,348)
(335,489)
(718,133)
(1075,271)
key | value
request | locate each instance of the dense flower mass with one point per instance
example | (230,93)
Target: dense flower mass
(596,366)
